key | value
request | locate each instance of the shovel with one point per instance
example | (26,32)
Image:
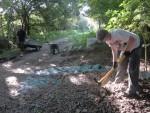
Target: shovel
(106,77)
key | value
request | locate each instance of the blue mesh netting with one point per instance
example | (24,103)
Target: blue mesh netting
(71,69)
(43,77)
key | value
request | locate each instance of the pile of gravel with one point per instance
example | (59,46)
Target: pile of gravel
(66,97)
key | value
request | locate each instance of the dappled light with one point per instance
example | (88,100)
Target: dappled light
(37,67)
(12,81)
(17,87)
(7,64)
(53,65)
(40,60)
(79,79)
(44,54)
(75,80)
(13,85)
(22,70)
(115,86)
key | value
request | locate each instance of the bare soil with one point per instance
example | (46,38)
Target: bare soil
(67,93)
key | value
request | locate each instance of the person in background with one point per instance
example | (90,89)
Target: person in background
(127,44)
(21,36)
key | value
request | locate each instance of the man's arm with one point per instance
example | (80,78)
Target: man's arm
(130,44)
(114,55)
(127,49)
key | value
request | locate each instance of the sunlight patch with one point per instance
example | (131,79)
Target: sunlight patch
(13,85)
(53,65)
(37,67)
(79,80)
(12,81)
(75,80)
(14,92)
(40,60)
(19,70)
(44,55)
(27,70)
(7,64)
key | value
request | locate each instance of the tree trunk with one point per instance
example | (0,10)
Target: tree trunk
(25,22)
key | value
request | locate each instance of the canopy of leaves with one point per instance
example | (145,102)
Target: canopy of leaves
(38,17)
(133,15)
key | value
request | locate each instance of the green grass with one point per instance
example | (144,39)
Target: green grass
(79,38)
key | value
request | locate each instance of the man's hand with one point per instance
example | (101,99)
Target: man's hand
(127,53)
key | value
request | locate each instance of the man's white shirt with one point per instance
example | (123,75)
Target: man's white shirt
(120,37)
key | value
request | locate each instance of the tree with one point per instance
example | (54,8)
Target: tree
(134,16)
(98,9)
(55,17)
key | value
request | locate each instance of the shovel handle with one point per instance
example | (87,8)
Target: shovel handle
(121,59)
(104,79)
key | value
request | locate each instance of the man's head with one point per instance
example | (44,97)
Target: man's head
(101,35)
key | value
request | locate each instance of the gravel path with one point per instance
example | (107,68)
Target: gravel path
(66,93)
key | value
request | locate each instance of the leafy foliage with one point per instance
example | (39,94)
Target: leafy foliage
(133,15)
(44,16)
(41,18)
(100,7)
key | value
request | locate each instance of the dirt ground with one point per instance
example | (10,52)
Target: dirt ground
(66,93)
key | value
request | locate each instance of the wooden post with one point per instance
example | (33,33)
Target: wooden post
(145,46)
